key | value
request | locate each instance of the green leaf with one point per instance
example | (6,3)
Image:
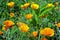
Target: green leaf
(45,11)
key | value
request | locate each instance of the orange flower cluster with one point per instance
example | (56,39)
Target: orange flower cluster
(47,32)
(8,23)
(23,27)
(33,5)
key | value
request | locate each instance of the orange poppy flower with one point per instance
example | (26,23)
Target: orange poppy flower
(58,25)
(47,32)
(8,23)
(34,6)
(4,28)
(44,39)
(29,16)
(35,33)
(11,14)
(24,27)
(1,32)
(26,5)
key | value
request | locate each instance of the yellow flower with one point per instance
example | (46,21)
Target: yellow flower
(29,16)
(56,3)
(24,27)
(11,14)
(47,32)
(34,6)
(1,32)
(44,39)
(11,4)
(4,28)
(26,5)
(35,33)
(58,25)
(8,23)
(49,5)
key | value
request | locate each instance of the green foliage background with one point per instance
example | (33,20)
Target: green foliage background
(35,23)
